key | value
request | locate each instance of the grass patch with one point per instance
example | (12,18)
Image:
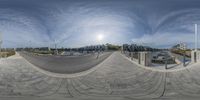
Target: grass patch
(182,52)
(7,54)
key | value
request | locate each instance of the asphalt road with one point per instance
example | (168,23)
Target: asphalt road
(65,64)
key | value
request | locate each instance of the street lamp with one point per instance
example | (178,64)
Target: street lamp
(166,61)
(1,41)
(56,50)
(0,44)
(99,37)
(196,37)
(184,54)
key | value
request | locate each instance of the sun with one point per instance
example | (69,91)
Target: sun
(100,37)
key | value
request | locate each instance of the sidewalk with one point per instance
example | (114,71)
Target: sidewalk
(160,66)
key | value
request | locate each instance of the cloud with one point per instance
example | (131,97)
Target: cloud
(165,39)
(75,23)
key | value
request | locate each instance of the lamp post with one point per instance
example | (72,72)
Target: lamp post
(184,54)
(1,41)
(56,50)
(98,47)
(0,45)
(166,61)
(196,37)
(195,52)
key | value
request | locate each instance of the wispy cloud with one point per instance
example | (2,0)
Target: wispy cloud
(75,23)
(165,39)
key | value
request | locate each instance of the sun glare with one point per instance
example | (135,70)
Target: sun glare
(100,37)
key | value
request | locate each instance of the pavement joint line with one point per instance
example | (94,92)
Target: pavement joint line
(159,70)
(57,75)
(164,95)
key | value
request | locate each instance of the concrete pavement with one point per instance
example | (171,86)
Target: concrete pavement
(116,78)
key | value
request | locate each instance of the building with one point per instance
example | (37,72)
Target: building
(180,46)
(137,48)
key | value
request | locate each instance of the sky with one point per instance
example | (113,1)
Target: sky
(76,23)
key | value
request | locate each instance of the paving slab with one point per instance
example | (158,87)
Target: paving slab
(116,78)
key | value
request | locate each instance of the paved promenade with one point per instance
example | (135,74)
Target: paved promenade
(116,78)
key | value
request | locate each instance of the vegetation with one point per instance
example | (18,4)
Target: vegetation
(7,54)
(113,47)
(182,52)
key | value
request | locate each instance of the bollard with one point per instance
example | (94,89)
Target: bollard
(195,56)
(131,55)
(165,63)
(139,58)
(145,58)
(184,59)
(98,55)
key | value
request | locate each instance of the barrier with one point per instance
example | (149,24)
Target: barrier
(145,58)
(195,56)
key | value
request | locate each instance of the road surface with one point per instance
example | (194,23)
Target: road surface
(115,79)
(65,64)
